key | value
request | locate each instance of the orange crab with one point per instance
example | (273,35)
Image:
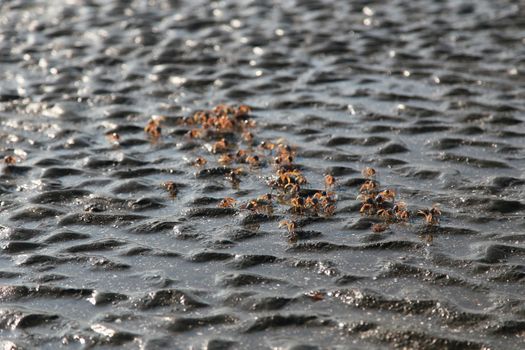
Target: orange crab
(227,202)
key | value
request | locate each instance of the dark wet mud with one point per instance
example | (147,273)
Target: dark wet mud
(98,251)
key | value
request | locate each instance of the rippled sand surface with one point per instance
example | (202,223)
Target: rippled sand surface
(94,251)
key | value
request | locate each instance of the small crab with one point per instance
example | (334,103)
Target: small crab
(225,159)
(254,160)
(268,197)
(199,161)
(153,127)
(113,137)
(377,228)
(227,202)
(386,214)
(388,194)
(283,159)
(368,186)
(195,133)
(252,205)
(311,202)
(329,209)
(222,109)
(266,145)
(367,208)
(292,188)
(233,177)
(242,110)
(368,172)
(431,215)
(297,204)
(259,206)
(329,181)
(247,136)
(220,146)
(224,123)
(10,160)
(315,295)
(290,225)
(403,215)
(171,187)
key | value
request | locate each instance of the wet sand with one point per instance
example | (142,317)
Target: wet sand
(97,251)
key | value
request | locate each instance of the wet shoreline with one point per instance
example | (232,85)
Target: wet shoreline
(113,238)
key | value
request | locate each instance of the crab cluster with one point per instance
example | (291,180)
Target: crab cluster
(227,132)
(381,202)
(229,136)
(263,204)
(220,119)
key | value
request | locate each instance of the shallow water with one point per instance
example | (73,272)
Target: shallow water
(96,253)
